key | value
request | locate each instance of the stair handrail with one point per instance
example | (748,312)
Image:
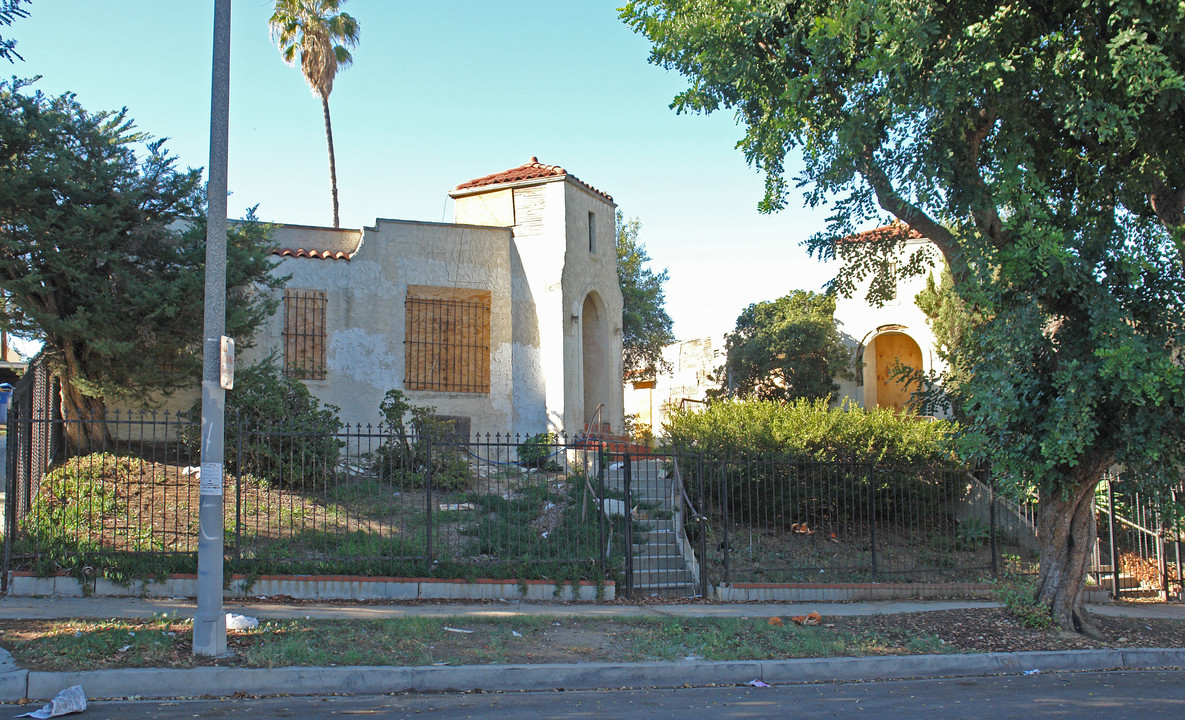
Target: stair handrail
(1134,526)
(695,514)
(699,567)
(598,419)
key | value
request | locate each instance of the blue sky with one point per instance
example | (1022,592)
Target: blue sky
(439,93)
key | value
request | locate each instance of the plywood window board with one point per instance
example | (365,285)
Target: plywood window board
(447,339)
(304,334)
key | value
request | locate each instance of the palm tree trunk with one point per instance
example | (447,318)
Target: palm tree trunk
(332,163)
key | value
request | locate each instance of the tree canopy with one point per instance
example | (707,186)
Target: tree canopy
(102,252)
(785,349)
(10,10)
(1038,146)
(645,324)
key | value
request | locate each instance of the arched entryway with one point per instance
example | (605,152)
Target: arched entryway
(881,388)
(597,368)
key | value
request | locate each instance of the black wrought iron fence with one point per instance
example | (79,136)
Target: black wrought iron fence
(360,501)
(1139,541)
(780,520)
(356,501)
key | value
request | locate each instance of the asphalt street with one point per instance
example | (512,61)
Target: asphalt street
(1140,695)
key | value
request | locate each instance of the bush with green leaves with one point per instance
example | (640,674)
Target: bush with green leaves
(287,436)
(809,430)
(538,451)
(73,502)
(416,445)
(785,462)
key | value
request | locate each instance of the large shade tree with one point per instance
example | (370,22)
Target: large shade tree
(102,256)
(317,36)
(785,349)
(1038,146)
(645,324)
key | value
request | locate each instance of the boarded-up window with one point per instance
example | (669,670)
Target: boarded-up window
(304,334)
(447,344)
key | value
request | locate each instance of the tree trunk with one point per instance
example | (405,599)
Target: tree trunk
(1065,536)
(85,416)
(85,421)
(332,163)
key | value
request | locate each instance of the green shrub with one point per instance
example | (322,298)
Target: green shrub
(288,437)
(809,430)
(781,463)
(74,500)
(537,451)
(1018,594)
(416,443)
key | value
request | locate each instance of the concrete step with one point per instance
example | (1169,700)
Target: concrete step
(1126,582)
(652,578)
(645,563)
(672,591)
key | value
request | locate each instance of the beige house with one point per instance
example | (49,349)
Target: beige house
(878,337)
(881,337)
(507,320)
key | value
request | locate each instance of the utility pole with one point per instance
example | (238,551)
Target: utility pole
(209,623)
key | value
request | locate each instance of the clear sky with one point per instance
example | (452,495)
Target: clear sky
(439,93)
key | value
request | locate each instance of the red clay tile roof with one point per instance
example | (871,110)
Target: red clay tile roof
(532,170)
(893,230)
(316,254)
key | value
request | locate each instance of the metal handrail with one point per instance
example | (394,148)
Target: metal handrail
(1124,521)
(695,514)
(597,420)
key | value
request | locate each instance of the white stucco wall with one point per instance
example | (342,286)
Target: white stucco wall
(586,272)
(861,322)
(365,315)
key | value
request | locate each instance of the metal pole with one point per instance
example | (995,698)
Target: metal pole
(871,475)
(1111,540)
(209,623)
(627,518)
(991,483)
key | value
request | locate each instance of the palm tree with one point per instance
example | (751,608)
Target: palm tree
(316,35)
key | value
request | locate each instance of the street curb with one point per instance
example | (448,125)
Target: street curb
(363,680)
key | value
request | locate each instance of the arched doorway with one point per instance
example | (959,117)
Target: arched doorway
(885,352)
(594,330)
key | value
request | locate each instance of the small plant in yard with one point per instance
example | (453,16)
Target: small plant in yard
(972,533)
(1018,594)
(287,436)
(538,451)
(415,443)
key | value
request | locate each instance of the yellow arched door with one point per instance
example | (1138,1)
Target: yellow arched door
(893,349)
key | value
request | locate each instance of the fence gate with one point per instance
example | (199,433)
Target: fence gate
(31,447)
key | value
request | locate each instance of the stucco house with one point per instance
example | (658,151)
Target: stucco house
(878,337)
(881,337)
(507,320)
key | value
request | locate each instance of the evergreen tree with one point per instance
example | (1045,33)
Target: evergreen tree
(102,255)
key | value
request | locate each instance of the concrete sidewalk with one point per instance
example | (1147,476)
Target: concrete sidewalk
(16,683)
(28,608)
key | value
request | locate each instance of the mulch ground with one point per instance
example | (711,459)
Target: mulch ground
(992,630)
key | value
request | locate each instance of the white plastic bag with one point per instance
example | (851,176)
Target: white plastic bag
(240,622)
(70,700)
